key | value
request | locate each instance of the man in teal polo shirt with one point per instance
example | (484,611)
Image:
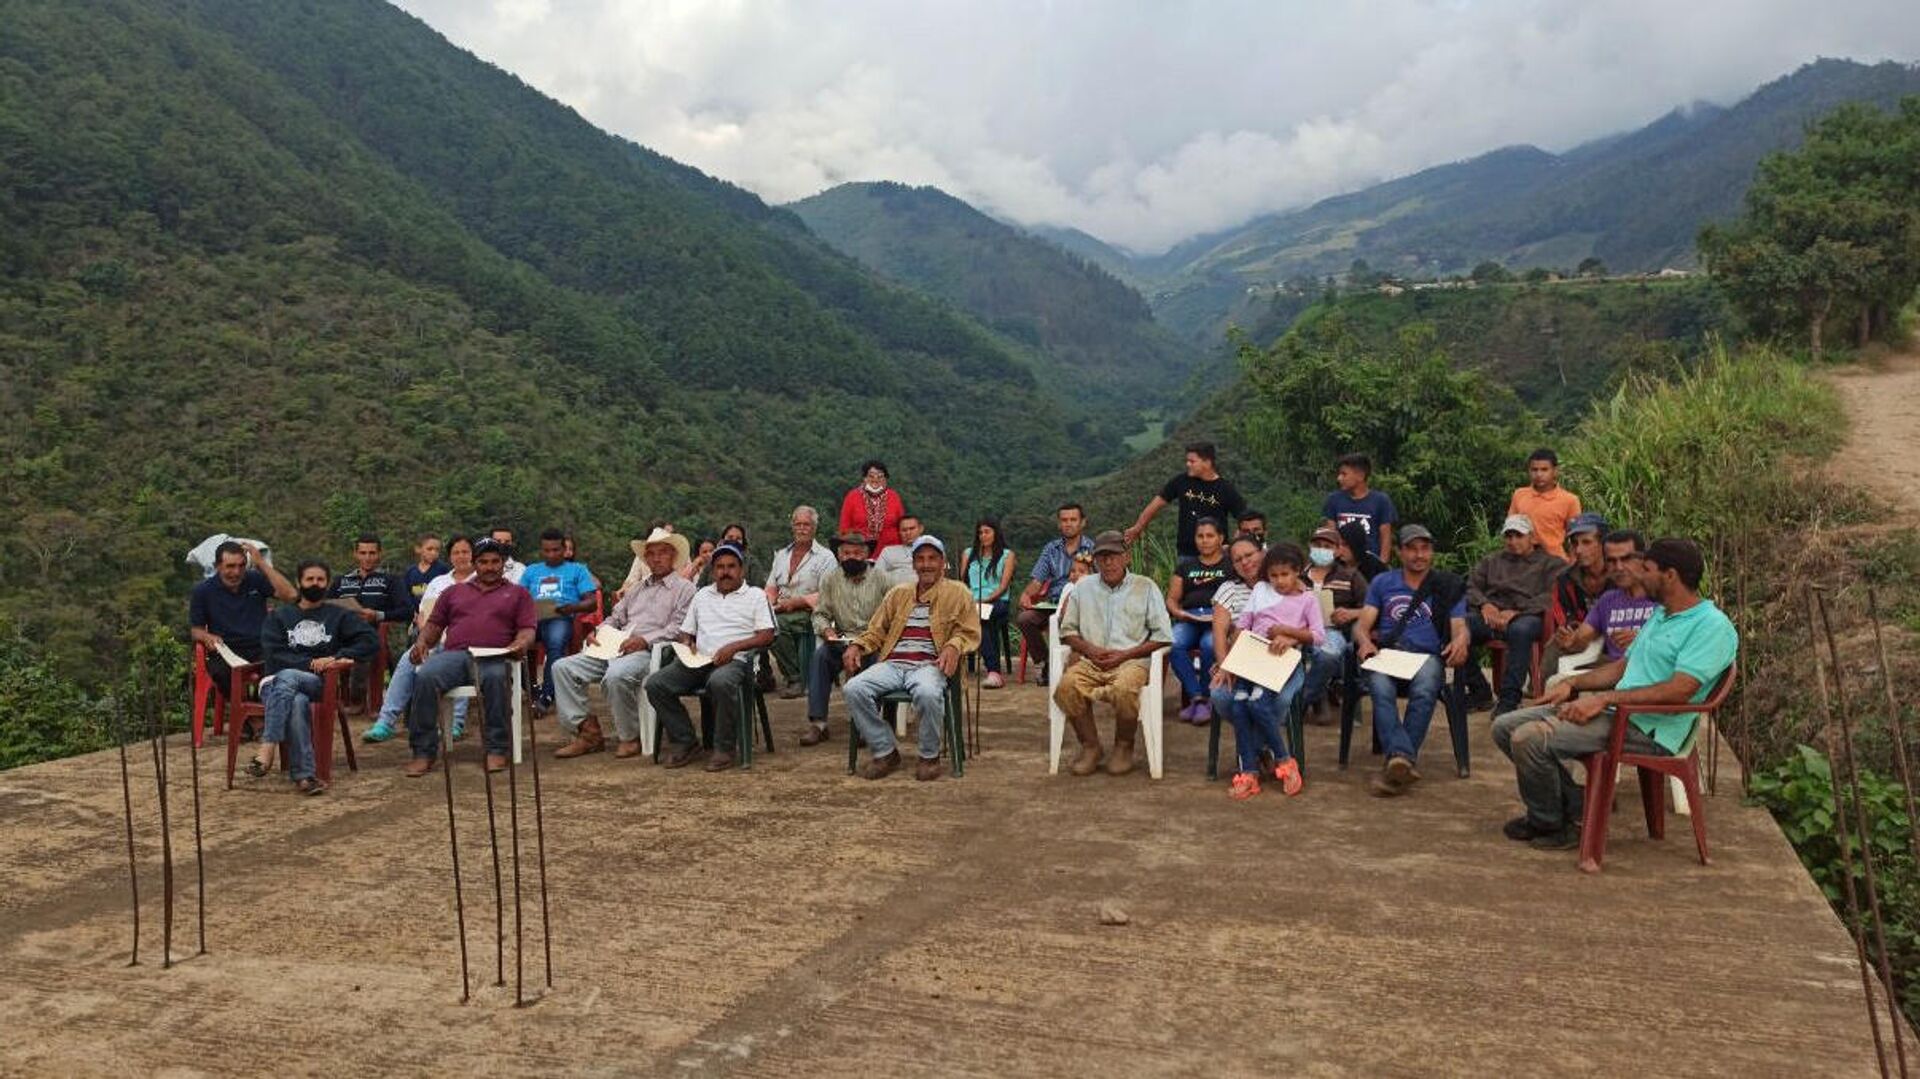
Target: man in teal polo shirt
(1677,658)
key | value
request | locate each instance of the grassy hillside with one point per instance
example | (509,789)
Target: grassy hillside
(1094,334)
(298,269)
(1635,201)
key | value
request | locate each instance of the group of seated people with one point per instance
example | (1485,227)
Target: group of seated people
(1616,619)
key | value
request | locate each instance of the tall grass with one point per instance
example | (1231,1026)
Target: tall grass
(1709,453)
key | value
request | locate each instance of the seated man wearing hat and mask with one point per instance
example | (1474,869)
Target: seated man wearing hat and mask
(650,611)
(1113,621)
(849,594)
(1507,598)
(918,636)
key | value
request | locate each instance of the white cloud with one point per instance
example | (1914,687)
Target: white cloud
(1141,123)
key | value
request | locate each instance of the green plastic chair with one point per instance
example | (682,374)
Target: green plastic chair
(955,734)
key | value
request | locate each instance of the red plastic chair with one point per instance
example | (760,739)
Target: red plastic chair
(377,669)
(1603,776)
(327,714)
(1536,682)
(202,694)
(239,710)
(583,624)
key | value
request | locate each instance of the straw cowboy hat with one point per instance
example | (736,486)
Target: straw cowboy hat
(675,540)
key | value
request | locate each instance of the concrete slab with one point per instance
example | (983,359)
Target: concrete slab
(796,921)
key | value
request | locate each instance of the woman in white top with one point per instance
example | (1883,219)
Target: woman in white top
(393,707)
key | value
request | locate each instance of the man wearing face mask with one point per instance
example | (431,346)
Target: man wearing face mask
(1343,595)
(302,641)
(849,594)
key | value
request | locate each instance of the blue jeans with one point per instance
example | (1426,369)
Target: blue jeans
(1258,722)
(1399,739)
(289,706)
(556,636)
(923,681)
(1325,663)
(827,656)
(1520,636)
(990,635)
(1192,674)
(448,670)
(393,706)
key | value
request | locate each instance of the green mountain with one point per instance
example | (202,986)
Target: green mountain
(1635,201)
(294,269)
(1095,336)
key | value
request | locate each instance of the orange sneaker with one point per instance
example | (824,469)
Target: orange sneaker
(1245,785)
(1287,772)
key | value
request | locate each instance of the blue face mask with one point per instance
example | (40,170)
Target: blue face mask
(1321,556)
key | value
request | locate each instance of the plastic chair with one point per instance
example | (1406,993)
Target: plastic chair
(1453,698)
(892,712)
(1296,736)
(583,625)
(326,713)
(1152,704)
(1603,775)
(1498,650)
(202,694)
(516,709)
(753,704)
(1053,620)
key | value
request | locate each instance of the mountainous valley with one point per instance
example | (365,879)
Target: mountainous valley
(1635,201)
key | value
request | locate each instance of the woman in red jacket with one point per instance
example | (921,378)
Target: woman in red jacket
(873,509)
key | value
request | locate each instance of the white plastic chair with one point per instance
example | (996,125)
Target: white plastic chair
(472,693)
(1152,704)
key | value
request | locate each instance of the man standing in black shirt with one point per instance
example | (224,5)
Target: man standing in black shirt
(1199,492)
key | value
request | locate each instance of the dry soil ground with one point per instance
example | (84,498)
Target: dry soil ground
(795,921)
(1883,409)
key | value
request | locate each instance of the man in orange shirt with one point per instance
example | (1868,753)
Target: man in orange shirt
(1543,501)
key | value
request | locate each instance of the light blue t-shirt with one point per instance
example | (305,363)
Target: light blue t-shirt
(565,583)
(1699,642)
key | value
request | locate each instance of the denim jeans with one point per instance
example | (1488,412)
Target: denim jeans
(1539,746)
(620,678)
(1188,636)
(556,636)
(288,700)
(928,688)
(444,671)
(827,657)
(1520,636)
(1399,739)
(723,683)
(990,636)
(1324,664)
(1258,721)
(393,705)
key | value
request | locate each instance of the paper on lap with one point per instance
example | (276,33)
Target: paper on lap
(1396,663)
(986,611)
(231,657)
(487,653)
(690,658)
(606,643)
(1249,659)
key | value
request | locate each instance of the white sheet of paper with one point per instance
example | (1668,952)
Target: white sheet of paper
(1396,663)
(486,653)
(606,643)
(1249,659)
(986,611)
(231,657)
(690,658)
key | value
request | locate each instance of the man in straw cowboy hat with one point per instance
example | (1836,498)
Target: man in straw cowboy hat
(649,612)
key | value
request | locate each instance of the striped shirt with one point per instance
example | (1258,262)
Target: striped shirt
(915,646)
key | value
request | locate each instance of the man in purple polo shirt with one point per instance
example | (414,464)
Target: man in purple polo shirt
(483,611)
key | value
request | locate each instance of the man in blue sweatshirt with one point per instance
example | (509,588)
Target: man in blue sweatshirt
(301,642)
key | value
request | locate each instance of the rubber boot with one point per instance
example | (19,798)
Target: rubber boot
(1120,761)
(1088,760)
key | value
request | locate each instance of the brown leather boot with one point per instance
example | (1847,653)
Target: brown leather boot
(1120,760)
(589,740)
(1088,760)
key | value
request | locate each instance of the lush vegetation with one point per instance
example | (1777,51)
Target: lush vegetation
(1831,231)
(1634,201)
(301,271)
(1079,319)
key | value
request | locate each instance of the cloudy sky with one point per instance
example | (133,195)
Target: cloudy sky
(1142,122)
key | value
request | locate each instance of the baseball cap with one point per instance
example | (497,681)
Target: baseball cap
(489,545)
(1518,522)
(1326,534)
(1586,522)
(1110,542)
(929,541)
(1414,532)
(733,549)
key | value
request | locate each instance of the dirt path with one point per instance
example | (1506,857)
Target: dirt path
(794,921)
(1883,446)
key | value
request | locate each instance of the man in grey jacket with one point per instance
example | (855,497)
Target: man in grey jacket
(1507,598)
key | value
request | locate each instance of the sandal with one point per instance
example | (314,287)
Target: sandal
(258,768)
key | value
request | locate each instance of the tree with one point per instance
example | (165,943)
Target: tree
(1829,231)
(1361,275)
(1537,275)
(1591,266)
(1490,273)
